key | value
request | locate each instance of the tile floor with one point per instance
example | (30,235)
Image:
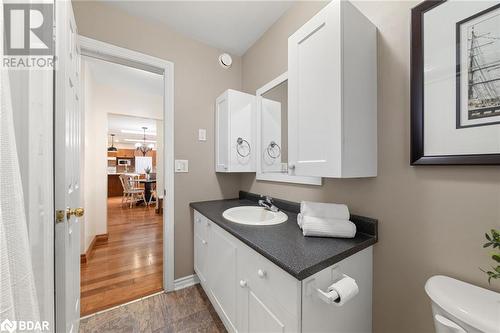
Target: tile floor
(186,310)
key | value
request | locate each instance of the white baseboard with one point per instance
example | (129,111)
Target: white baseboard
(186,281)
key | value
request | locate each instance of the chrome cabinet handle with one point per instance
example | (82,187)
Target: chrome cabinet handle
(291,166)
(243,283)
(261,273)
(204,242)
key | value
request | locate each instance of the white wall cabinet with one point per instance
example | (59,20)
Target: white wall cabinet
(252,294)
(235,120)
(332,99)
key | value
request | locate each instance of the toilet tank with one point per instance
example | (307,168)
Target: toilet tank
(459,307)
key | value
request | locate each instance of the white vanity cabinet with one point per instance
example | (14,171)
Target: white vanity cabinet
(332,96)
(253,295)
(235,121)
(249,293)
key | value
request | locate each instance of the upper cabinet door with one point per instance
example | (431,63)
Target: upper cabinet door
(332,95)
(314,62)
(235,132)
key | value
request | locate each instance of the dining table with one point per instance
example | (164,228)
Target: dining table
(148,184)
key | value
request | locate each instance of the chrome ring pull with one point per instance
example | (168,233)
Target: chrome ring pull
(240,143)
(273,150)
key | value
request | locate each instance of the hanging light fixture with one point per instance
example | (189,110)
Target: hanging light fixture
(112,147)
(143,147)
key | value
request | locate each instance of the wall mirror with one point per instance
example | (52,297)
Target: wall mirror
(272,134)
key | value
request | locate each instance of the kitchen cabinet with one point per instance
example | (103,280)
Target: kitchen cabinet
(115,188)
(125,153)
(235,119)
(332,96)
(252,294)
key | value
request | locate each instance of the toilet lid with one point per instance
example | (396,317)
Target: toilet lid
(475,306)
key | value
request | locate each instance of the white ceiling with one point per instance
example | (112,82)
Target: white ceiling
(232,26)
(116,75)
(117,123)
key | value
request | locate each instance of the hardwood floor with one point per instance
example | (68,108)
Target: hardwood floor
(186,310)
(129,265)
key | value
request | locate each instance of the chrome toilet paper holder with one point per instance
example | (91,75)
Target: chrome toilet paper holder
(329,296)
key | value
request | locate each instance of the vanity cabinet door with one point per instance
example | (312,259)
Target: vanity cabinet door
(222,250)
(268,300)
(255,315)
(200,246)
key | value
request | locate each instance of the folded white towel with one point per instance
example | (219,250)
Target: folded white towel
(299,219)
(323,227)
(328,210)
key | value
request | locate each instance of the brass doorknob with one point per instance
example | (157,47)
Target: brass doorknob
(78,212)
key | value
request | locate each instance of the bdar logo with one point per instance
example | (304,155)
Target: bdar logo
(28,29)
(7,326)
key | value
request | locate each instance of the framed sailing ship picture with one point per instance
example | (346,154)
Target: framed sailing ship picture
(478,69)
(455,82)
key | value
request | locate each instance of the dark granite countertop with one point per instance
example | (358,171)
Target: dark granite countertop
(284,244)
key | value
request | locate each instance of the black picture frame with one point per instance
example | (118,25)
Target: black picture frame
(417,156)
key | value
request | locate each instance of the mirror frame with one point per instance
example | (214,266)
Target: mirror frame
(275,177)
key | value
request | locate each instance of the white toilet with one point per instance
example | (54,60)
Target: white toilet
(460,307)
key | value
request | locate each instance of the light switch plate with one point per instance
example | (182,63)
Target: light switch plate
(202,134)
(181,166)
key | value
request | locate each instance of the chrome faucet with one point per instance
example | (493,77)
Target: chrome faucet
(267,203)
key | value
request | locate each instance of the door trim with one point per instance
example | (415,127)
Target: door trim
(105,51)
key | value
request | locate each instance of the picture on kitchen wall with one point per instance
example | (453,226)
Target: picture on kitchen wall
(455,83)
(478,69)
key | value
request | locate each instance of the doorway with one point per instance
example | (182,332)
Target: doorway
(126,257)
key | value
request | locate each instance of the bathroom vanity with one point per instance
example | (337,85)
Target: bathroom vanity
(269,278)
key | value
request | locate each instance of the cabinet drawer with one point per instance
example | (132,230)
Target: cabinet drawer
(266,278)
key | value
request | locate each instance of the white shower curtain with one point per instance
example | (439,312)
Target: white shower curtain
(18,301)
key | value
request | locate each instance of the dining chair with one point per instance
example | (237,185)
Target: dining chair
(153,194)
(131,194)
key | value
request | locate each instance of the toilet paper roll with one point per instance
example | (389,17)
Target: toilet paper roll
(346,287)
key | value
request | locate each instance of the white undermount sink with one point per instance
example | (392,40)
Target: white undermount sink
(253,215)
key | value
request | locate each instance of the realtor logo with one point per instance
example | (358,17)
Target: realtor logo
(24,326)
(8,326)
(28,29)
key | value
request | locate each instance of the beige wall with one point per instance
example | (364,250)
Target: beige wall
(198,81)
(431,219)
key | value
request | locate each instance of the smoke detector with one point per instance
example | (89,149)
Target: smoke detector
(225,60)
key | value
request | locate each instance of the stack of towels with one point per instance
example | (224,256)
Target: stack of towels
(325,220)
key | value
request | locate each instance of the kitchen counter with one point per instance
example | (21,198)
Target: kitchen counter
(284,244)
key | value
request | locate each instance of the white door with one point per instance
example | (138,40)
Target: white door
(67,148)
(314,98)
(200,246)
(255,316)
(221,271)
